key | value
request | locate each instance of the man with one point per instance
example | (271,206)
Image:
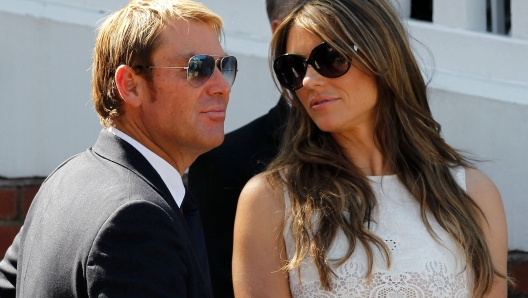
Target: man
(217,177)
(110,222)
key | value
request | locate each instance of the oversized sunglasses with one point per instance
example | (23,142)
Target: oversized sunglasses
(290,69)
(201,68)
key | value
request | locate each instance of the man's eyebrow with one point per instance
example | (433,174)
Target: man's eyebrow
(188,55)
(185,56)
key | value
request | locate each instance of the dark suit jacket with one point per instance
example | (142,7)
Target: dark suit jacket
(216,179)
(104,224)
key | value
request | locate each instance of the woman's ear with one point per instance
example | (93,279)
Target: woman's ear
(127,83)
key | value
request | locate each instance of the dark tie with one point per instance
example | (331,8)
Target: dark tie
(191,213)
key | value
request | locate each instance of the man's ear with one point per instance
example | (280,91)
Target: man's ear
(275,24)
(127,83)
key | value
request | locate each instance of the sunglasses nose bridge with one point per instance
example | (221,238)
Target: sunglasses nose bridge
(305,63)
(309,63)
(218,63)
(313,60)
(227,71)
(312,76)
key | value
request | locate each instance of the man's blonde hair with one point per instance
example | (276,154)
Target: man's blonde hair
(128,37)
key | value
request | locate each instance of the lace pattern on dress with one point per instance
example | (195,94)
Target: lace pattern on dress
(433,281)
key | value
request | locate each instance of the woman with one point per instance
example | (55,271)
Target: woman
(365,199)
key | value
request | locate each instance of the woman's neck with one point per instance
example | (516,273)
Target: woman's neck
(361,149)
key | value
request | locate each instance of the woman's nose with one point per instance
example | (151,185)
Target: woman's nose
(312,78)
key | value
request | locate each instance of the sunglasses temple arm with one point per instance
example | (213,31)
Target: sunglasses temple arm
(170,67)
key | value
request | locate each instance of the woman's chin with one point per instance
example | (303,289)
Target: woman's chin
(326,127)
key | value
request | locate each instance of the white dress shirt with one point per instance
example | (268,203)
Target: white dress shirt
(170,176)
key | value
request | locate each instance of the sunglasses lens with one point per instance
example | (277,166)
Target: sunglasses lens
(328,61)
(228,67)
(290,71)
(201,68)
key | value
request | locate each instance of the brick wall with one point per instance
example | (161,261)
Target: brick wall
(518,270)
(16,196)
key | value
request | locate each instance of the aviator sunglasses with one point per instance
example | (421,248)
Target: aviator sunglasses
(201,67)
(290,69)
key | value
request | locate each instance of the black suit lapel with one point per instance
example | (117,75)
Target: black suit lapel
(121,152)
(191,213)
(115,149)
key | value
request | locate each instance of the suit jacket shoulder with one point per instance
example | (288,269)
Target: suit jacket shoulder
(105,223)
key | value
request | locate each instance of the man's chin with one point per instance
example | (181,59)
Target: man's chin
(219,140)
(213,142)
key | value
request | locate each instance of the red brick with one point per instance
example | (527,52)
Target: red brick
(7,234)
(520,274)
(8,202)
(28,193)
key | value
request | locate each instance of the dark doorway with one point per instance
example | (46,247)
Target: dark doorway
(422,10)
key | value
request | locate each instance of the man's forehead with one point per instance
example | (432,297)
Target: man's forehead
(189,38)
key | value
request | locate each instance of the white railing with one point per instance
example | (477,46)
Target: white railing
(519,12)
(498,22)
(471,15)
(462,14)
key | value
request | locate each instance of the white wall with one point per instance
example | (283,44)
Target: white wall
(46,113)
(479,88)
(497,133)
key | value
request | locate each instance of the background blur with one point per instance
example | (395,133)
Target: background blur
(473,52)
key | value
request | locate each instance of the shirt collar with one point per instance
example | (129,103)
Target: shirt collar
(170,176)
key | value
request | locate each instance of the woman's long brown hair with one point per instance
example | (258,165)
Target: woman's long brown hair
(322,182)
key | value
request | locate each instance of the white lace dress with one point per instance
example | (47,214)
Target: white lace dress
(421,267)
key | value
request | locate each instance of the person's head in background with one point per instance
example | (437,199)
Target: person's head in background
(277,10)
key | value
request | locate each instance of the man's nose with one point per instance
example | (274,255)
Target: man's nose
(218,84)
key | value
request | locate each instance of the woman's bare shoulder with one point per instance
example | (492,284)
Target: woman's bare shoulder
(258,247)
(481,189)
(262,192)
(486,195)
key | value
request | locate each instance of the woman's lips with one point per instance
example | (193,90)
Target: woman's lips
(320,103)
